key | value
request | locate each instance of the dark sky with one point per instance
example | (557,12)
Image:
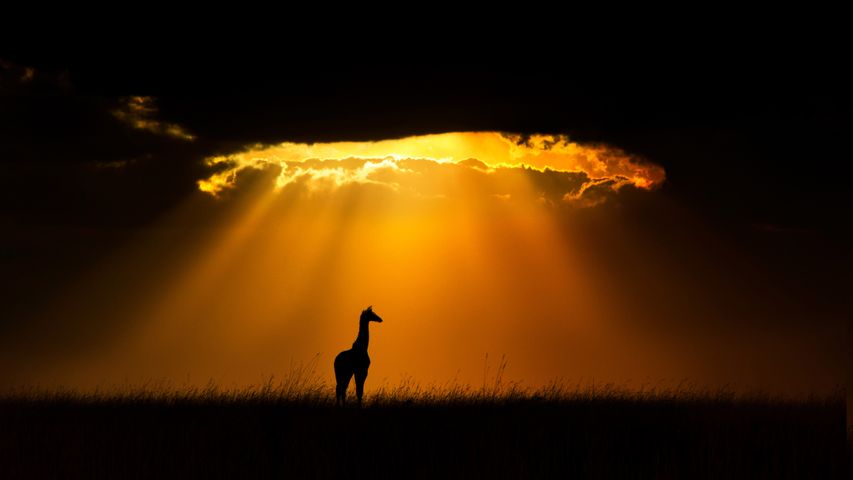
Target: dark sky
(755,153)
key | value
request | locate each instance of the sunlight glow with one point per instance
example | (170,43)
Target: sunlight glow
(453,237)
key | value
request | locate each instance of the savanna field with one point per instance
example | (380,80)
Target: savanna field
(291,428)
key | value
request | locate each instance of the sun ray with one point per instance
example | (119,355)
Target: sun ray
(454,235)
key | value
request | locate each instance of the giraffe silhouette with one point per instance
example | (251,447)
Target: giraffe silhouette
(355,360)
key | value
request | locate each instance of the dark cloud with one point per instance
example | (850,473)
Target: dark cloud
(140,112)
(67,159)
(25,79)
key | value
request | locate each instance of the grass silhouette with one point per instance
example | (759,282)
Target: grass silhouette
(289,427)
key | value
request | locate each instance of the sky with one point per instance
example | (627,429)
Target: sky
(189,220)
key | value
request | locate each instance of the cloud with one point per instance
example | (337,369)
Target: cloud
(17,79)
(459,164)
(73,161)
(139,112)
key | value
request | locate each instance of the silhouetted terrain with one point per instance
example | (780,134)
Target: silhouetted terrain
(262,435)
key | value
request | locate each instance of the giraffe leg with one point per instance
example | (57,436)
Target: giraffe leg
(360,377)
(343,374)
(341,389)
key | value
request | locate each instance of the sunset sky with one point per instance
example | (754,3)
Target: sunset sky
(180,222)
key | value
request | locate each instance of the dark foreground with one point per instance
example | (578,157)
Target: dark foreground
(587,438)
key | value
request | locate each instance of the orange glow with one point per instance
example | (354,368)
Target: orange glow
(453,238)
(289,273)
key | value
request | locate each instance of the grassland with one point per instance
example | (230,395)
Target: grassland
(291,429)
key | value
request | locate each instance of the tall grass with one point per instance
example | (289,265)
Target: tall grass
(303,385)
(289,427)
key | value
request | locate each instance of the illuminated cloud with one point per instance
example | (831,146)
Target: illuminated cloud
(550,168)
(139,112)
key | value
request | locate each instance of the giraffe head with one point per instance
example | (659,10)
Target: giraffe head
(368,315)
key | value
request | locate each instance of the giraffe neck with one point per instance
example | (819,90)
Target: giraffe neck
(363,336)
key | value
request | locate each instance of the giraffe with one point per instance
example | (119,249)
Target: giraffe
(355,360)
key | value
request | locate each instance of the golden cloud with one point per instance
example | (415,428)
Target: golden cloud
(498,165)
(139,112)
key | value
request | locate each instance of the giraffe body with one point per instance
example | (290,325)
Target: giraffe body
(355,361)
